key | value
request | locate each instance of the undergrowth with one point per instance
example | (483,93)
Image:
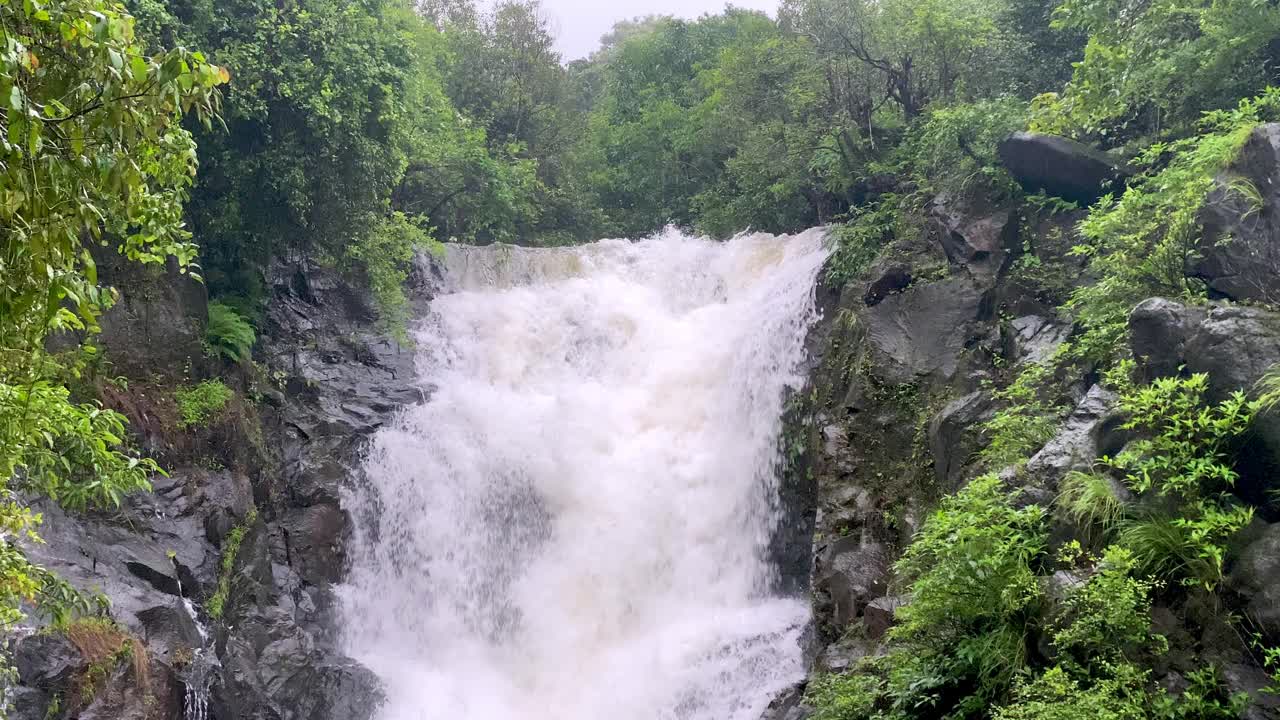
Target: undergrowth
(199,404)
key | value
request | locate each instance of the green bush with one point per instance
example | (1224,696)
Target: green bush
(974,597)
(386,254)
(1146,242)
(1183,454)
(200,404)
(228,333)
(849,696)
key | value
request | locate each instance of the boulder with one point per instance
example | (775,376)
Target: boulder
(1240,244)
(1255,577)
(1061,167)
(888,280)
(851,572)
(1034,338)
(879,614)
(954,437)
(48,662)
(788,706)
(978,238)
(1236,346)
(925,329)
(1158,333)
(1090,431)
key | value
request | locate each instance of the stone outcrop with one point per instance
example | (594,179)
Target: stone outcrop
(1061,167)
(332,378)
(907,356)
(1239,254)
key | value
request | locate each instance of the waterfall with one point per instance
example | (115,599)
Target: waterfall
(575,526)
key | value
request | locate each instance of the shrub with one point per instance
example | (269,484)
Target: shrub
(859,241)
(1145,243)
(954,149)
(1026,422)
(1183,455)
(385,254)
(200,404)
(1107,618)
(228,333)
(974,596)
(851,696)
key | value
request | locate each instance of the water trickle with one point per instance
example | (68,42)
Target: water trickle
(197,675)
(576,524)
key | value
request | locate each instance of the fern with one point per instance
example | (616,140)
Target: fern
(228,334)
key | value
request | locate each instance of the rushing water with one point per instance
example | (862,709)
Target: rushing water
(575,526)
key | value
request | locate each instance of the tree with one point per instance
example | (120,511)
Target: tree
(92,154)
(1153,67)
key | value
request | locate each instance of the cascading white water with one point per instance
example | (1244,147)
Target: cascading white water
(575,525)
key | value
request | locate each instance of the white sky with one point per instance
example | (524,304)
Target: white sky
(579,24)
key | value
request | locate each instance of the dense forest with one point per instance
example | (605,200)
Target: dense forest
(217,137)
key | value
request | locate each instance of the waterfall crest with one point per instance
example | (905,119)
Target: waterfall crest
(576,524)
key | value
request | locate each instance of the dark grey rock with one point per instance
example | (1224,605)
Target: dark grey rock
(954,436)
(169,630)
(48,661)
(852,572)
(924,330)
(1236,346)
(314,535)
(788,706)
(879,614)
(157,327)
(1252,681)
(978,238)
(1158,332)
(888,281)
(1035,338)
(1256,578)
(1087,433)
(1061,167)
(1240,247)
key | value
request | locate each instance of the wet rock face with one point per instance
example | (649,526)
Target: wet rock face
(271,652)
(1240,247)
(924,330)
(158,324)
(1061,167)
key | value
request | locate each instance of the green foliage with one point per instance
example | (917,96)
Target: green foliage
(92,153)
(216,604)
(199,404)
(1157,65)
(1089,501)
(954,148)
(1183,455)
(974,593)
(860,240)
(1025,422)
(1145,243)
(1057,695)
(1107,618)
(387,255)
(228,333)
(849,696)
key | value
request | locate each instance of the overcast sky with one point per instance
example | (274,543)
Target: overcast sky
(580,23)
